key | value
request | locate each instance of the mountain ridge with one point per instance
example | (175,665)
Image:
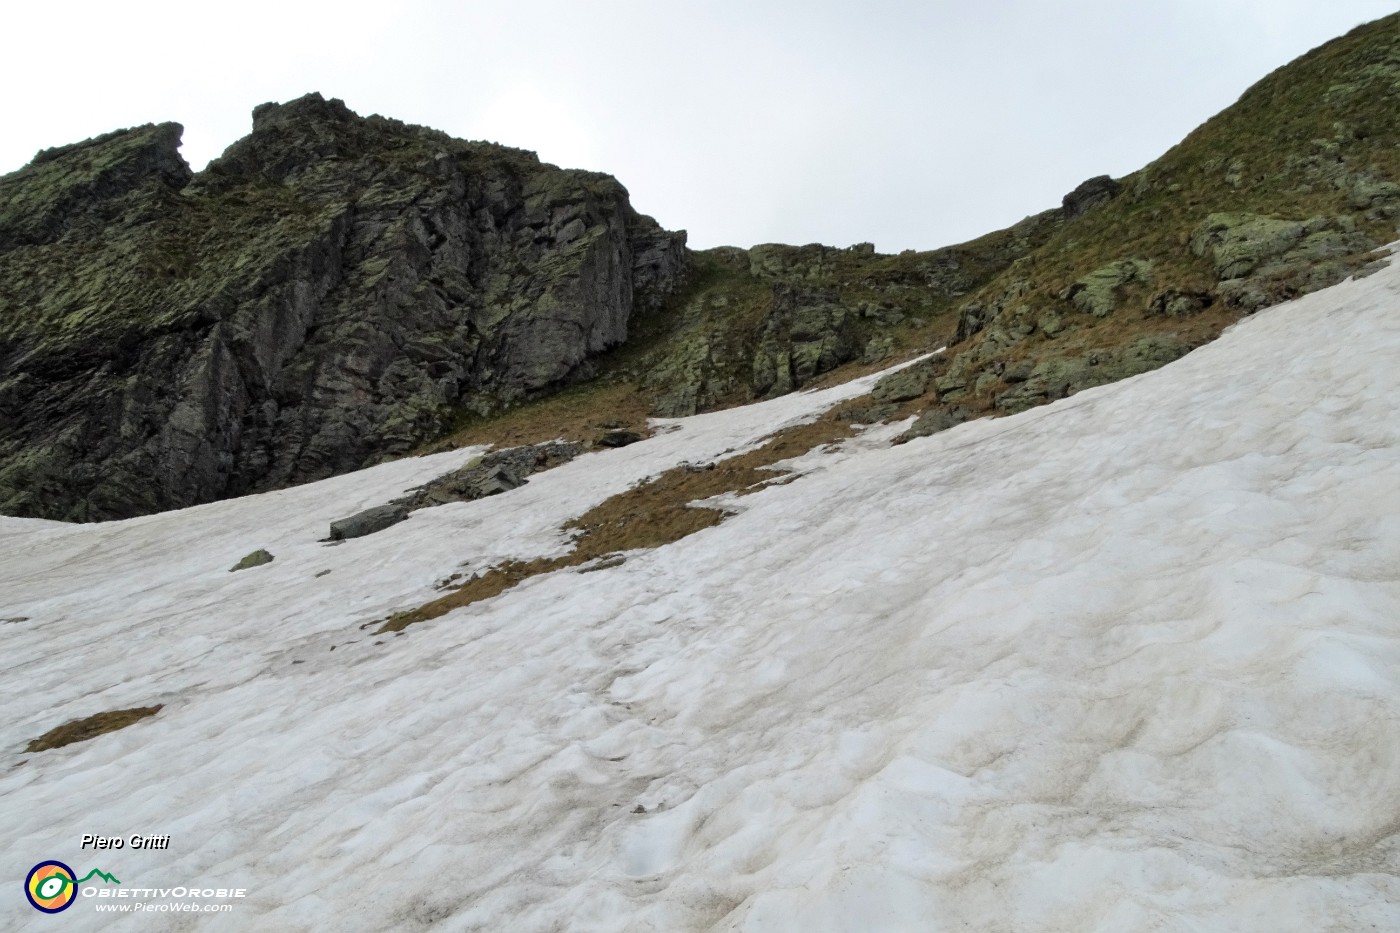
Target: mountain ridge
(336,290)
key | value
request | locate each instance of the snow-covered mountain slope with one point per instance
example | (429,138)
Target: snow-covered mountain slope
(1130,661)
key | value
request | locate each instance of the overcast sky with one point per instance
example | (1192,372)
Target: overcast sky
(909,124)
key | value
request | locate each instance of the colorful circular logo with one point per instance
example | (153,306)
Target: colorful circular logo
(50,887)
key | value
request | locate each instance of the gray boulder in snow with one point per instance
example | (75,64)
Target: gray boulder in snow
(368,522)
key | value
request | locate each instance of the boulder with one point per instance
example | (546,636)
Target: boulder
(1261,261)
(255,559)
(619,437)
(935,420)
(1238,243)
(368,522)
(1178,302)
(903,385)
(1057,377)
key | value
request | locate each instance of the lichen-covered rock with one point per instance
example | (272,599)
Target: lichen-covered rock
(905,384)
(1009,303)
(1146,353)
(255,559)
(877,348)
(1180,302)
(1056,377)
(325,294)
(1097,292)
(1240,244)
(934,421)
(1264,260)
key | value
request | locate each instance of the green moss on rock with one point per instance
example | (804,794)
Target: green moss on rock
(255,559)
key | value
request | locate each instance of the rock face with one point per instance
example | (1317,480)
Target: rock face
(805,334)
(774,318)
(327,293)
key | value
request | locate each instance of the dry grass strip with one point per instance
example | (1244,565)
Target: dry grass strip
(90,727)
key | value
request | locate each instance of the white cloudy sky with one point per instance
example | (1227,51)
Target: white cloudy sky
(910,124)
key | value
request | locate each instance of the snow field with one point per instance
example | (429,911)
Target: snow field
(1127,662)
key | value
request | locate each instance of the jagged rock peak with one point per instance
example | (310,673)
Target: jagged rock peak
(155,139)
(289,138)
(43,199)
(309,108)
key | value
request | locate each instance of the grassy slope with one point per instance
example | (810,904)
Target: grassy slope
(1317,139)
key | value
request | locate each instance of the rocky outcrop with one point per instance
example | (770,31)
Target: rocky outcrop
(492,474)
(1098,292)
(331,291)
(805,334)
(905,384)
(1089,195)
(935,421)
(1056,377)
(1263,260)
(773,318)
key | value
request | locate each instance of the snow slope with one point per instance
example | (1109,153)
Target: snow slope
(1127,662)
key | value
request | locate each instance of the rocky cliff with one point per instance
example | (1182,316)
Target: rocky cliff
(331,291)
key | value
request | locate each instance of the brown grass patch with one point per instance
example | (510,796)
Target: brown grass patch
(580,414)
(90,727)
(651,514)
